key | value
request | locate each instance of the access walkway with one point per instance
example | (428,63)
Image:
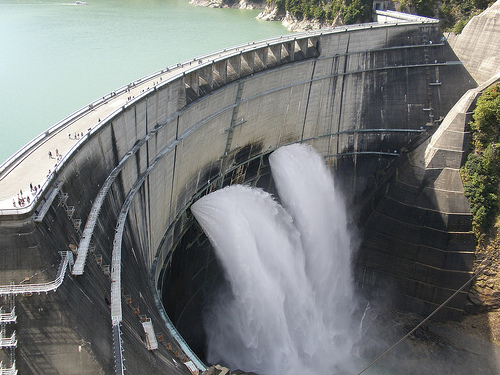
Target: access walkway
(25,176)
(32,166)
(15,289)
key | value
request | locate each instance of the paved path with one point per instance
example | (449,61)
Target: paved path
(35,165)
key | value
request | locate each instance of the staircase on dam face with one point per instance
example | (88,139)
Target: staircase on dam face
(429,88)
(8,343)
(8,316)
(151,341)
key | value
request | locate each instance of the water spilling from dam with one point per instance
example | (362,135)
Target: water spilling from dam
(290,304)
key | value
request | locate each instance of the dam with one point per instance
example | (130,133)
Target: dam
(105,270)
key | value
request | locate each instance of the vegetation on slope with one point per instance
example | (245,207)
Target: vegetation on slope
(351,11)
(454,14)
(480,174)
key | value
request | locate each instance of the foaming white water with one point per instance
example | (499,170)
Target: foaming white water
(291,299)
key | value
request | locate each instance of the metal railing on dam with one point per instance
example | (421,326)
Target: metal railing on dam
(201,75)
(14,289)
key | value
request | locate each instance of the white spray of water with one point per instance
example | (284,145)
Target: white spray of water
(291,299)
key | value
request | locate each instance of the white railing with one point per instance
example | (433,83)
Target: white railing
(89,227)
(394,16)
(8,370)
(151,341)
(46,205)
(9,317)
(8,341)
(66,256)
(96,208)
(118,350)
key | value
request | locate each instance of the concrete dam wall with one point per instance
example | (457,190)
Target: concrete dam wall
(119,206)
(477,43)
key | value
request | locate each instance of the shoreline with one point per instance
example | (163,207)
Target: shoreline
(240,4)
(270,13)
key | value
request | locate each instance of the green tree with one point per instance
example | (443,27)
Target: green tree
(486,118)
(480,174)
(454,14)
(423,7)
(320,13)
(459,26)
(351,11)
(280,4)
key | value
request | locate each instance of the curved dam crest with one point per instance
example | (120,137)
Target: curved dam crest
(361,96)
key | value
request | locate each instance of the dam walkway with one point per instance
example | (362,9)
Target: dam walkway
(32,170)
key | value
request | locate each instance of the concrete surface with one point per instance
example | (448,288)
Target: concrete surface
(478,43)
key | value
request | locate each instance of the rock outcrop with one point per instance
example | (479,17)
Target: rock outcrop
(241,4)
(484,295)
(271,13)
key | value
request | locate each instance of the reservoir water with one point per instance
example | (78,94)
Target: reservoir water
(57,56)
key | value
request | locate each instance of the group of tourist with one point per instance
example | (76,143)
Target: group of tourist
(77,136)
(23,200)
(58,158)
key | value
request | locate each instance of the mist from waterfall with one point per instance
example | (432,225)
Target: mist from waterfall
(290,304)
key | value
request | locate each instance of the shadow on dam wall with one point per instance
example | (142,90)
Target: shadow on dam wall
(361,97)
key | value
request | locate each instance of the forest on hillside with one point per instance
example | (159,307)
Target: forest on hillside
(481,172)
(454,14)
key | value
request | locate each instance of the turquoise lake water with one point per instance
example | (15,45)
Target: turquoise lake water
(56,56)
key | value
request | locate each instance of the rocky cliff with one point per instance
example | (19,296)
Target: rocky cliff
(236,4)
(271,13)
